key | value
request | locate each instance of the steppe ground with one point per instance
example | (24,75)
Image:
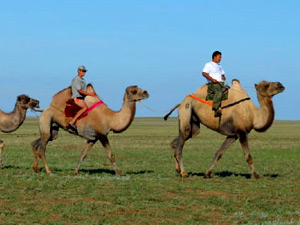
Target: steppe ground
(151,192)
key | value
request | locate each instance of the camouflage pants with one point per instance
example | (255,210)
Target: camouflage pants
(217,90)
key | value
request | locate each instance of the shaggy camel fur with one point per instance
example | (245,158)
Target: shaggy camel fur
(10,122)
(239,117)
(93,127)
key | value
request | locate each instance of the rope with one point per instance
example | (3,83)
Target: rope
(36,110)
(152,110)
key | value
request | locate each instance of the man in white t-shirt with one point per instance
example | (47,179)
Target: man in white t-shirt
(215,76)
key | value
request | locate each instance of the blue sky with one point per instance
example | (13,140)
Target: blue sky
(159,45)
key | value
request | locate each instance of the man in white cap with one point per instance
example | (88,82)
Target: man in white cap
(78,94)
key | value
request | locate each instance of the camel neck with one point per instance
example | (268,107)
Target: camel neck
(264,115)
(121,120)
(12,121)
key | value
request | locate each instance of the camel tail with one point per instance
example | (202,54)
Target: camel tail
(172,110)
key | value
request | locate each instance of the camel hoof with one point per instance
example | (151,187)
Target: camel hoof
(184,175)
(178,171)
(2,167)
(256,176)
(207,176)
(120,174)
(36,169)
(76,173)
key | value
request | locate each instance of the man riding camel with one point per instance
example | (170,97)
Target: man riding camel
(215,76)
(78,94)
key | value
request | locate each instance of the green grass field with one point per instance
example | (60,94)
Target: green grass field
(151,192)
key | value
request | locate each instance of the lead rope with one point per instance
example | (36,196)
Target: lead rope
(152,110)
(36,110)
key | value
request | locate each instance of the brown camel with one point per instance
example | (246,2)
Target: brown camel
(10,122)
(93,127)
(239,117)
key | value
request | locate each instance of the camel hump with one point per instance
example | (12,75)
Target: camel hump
(236,83)
(90,88)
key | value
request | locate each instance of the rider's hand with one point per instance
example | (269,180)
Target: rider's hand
(215,81)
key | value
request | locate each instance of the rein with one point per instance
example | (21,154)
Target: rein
(150,109)
(35,111)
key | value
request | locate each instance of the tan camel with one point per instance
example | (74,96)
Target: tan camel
(10,122)
(239,117)
(95,126)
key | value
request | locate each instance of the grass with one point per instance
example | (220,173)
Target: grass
(151,192)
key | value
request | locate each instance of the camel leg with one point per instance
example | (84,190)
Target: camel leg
(185,132)
(229,140)
(85,151)
(39,146)
(177,146)
(42,155)
(1,151)
(105,143)
(35,146)
(243,138)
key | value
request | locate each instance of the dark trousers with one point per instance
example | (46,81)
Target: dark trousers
(217,89)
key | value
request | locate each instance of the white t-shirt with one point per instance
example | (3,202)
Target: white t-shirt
(214,70)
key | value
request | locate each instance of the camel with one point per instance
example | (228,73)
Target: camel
(10,122)
(93,127)
(239,117)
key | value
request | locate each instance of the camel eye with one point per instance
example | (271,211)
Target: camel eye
(134,92)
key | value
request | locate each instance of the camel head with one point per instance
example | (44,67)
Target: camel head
(269,89)
(27,102)
(133,94)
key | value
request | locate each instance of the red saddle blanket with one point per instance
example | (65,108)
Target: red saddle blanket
(72,108)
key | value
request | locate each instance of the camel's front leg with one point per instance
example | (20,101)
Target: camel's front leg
(229,140)
(89,145)
(243,137)
(105,143)
(1,151)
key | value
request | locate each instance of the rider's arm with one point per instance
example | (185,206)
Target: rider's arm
(206,75)
(86,93)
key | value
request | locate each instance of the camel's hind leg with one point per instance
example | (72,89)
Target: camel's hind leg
(104,140)
(243,138)
(38,149)
(35,145)
(1,151)
(188,127)
(85,151)
(229,140)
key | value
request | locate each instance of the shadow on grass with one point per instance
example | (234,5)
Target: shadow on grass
(108,171)
(140,172)
(229,174)
(93,171)
(11,167)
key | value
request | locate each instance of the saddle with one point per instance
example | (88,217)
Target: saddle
(71,108)
(211,93)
